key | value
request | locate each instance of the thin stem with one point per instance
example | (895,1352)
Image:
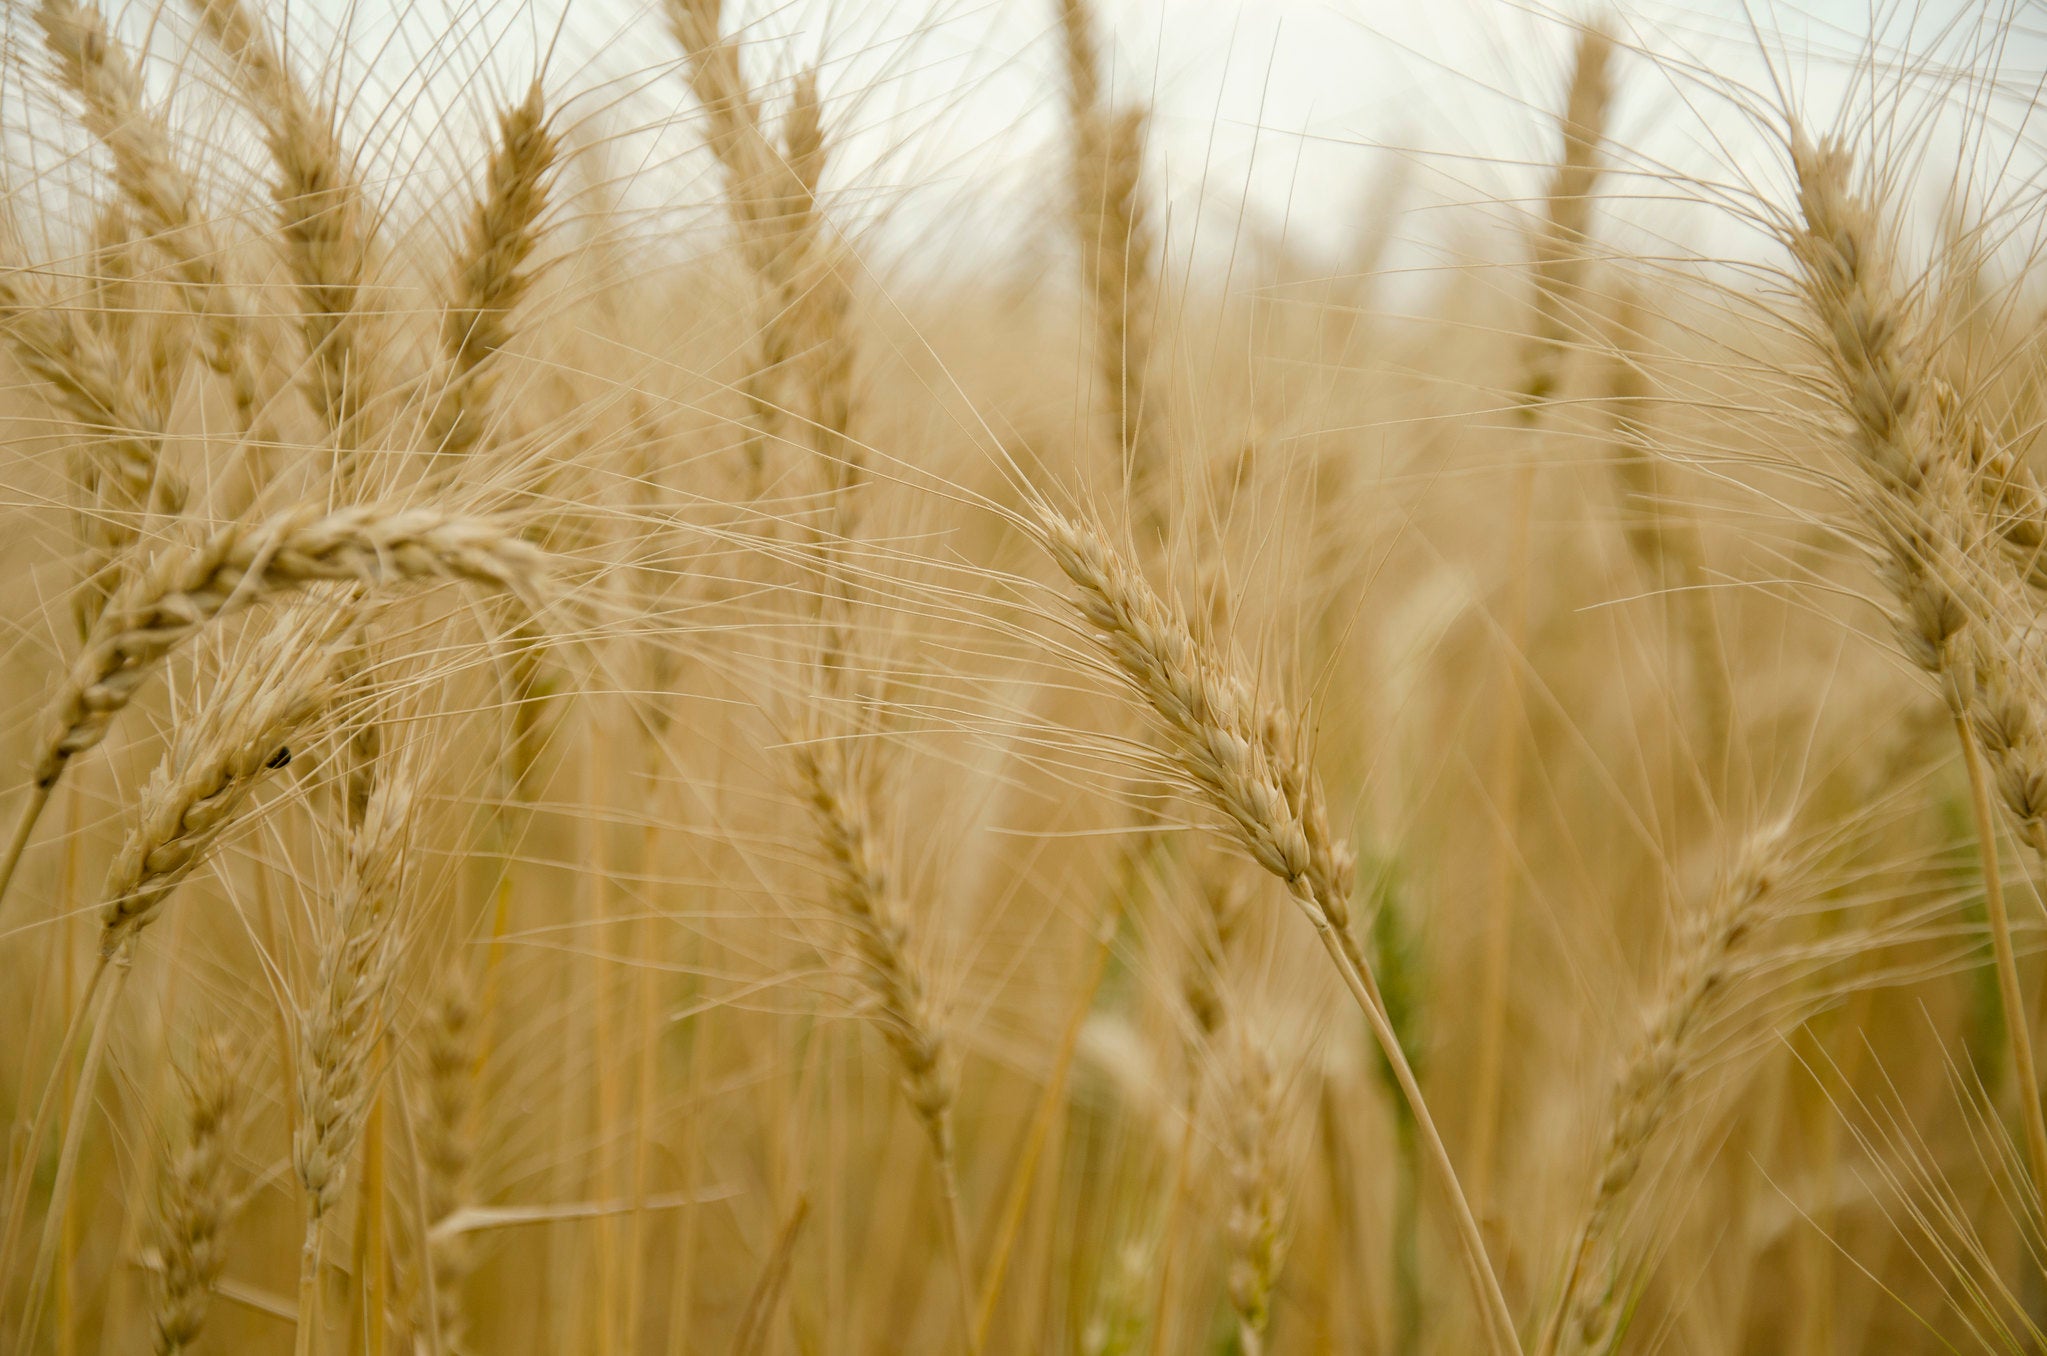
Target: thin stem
(67,1158)
(955,1240)
(1050,1104)
(1499,1319)
(24,828)
(308,1337)
(1506,780)
(2015,1018)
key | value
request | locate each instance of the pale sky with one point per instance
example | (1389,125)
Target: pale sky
(1294,115)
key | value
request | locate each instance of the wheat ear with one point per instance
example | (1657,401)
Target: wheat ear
(104,78)
(1922,504)
(196,1200)
(447,1150)
(342,1026)
(491,273)
(1257,1202)
(1246,760)
(322,217)
(199,786)
(771,195)
(864,892)
(1698,986)
(1112,225)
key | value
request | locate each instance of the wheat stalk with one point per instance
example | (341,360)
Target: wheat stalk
(1699,985)
(1558,268)
(199,787)
(1257,1201)
(771,195)
(1922,504)
(1245,758)
(342,1026)
(865,894)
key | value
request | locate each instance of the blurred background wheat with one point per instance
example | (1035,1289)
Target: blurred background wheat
(1051,677)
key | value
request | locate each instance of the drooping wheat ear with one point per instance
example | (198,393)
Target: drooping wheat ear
(342,1023)
(323,217)
(214,762)
(1239,752)
(1918,500)
(491,273)
(864,891)
(105,79)
(804,362)
(185,588)
(1924,503)
(196,1197)
(1560,263)
(1112,226)
(1247,759)
(1257,1200)
(1700,986)
(447,1149)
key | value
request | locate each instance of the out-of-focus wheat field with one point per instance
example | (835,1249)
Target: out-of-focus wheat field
(1054,677)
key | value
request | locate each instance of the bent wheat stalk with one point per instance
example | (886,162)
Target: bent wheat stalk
(1921,502)
(1245,760)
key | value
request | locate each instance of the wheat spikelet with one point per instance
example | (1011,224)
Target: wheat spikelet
(1700,985)
(491,275)
(195,1199)
(98,392)
(242,564)
(322,217)
(108,85)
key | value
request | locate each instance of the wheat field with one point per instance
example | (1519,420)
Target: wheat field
(701,677)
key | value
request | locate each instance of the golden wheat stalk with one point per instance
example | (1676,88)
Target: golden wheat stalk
(205,778)
(1245,758)
(1257,1199)
(805,342)
(1559,266)
(1699,985)
(865,894)
(1921,503)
